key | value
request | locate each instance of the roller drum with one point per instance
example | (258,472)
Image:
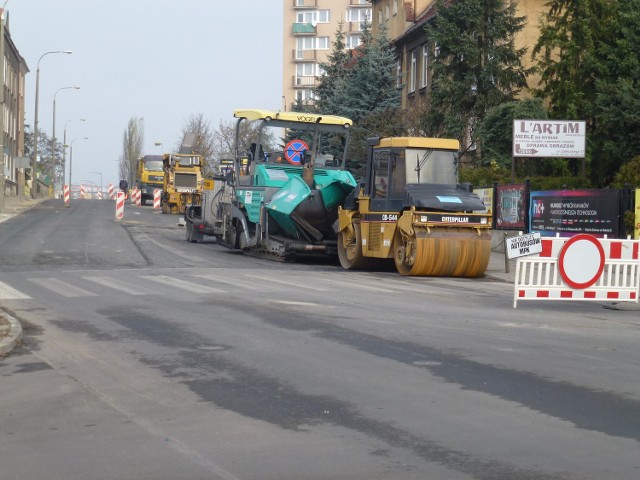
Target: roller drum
(453,252)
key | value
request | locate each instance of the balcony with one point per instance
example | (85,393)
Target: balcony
(303,55)
(303,82)
(303,4)
(355,27)
(304,29)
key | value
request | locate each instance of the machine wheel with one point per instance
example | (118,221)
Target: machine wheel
(165,208)
(446,253)
(404,254)
(351,256)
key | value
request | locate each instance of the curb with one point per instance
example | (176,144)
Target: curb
(14,336)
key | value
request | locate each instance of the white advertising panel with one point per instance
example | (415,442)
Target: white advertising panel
(549,138)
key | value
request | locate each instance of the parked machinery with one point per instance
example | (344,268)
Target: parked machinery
(182,182)
(411,211)
(149,176)
(282,201)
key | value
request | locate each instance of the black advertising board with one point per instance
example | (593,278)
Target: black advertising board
(569,212)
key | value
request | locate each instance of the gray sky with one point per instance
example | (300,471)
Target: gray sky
(157,59)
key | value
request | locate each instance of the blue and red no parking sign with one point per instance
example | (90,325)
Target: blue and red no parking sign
(294,151)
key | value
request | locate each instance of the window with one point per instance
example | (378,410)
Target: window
(395,7)
(308,70)
(312,43)
(424,76)
(399,74)
(412,73)
(299,3)
(386,11)
(358,14)
(353,41)
(320,16)
(380,17)
(323,43)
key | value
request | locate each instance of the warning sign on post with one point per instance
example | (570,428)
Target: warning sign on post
(523,245)
(549,138)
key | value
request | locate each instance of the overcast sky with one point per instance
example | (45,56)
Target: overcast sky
(156,59)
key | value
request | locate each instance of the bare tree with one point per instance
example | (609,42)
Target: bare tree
(132,145)
(225,138)
(204,140)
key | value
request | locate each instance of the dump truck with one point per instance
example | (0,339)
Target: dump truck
(412,212)
(149,176)
(281,202)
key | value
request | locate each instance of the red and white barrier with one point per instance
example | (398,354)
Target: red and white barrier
(138,197)
(582,267)
(133,195)
(110,191)
(81,191)
(120,205)
(66,194)
(156,198)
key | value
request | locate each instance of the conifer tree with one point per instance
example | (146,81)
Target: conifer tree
(476,65)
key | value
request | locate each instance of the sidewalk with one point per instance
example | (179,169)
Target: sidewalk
(16,205)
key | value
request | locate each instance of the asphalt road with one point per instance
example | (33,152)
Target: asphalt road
(146,357)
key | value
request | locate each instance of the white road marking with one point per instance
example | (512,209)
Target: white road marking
(62,288)
(9,293)
(182,284)
(117,285)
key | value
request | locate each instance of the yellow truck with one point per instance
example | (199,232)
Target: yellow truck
(183,181)
(149,176)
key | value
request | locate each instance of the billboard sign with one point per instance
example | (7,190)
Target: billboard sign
(510,207)
(486,195)
(549,138)
(569,212)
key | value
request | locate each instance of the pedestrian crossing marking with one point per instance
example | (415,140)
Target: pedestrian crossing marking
(239,283)
(290,284)
(10,293)
(62,288)
(182,284)
(117,285)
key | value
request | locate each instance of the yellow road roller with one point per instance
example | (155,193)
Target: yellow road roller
(410,211)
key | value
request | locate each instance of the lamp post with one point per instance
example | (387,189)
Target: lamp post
(159,144)
(99,173)
(54,126)
(71,156)
(34,160)
(64,152)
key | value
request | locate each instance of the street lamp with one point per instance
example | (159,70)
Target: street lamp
(71,155)
(64,151)
(99,173)
(159,144)
(35,123)
(54,125)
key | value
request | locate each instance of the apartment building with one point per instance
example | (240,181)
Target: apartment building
(309,32)
(405,21)
(12,103)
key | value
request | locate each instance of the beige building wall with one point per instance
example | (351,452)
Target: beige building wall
(309,33)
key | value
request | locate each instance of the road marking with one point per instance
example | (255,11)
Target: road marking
(116,284)
(182,284)
(9,293)
(299,285)
(62,288)
(242,284)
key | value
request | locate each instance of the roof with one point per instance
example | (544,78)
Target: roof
(419,142)
(299,117)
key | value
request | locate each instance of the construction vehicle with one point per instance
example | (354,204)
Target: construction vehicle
(149,176)
(410,211)
(280,202)
(183,179)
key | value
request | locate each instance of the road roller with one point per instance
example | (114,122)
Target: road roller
(411,212)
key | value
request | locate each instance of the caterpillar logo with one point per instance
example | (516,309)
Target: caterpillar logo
(455,219)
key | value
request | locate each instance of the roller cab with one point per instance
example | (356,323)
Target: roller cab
(411,213)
